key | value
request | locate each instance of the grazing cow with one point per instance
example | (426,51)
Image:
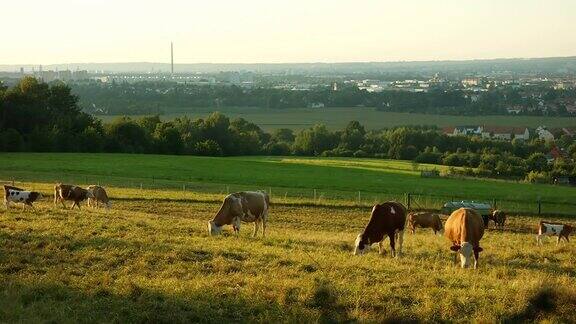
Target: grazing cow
(18,195)
(389,219)
(99,195)
(499,218)
(245,206)
(70,192)
(424,220)
(464,228)
(552,229)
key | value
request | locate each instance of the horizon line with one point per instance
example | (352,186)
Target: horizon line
(304,62)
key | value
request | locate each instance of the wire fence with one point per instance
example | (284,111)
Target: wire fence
(319,196)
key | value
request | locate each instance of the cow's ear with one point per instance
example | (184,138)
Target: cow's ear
(478,249)
(455,248)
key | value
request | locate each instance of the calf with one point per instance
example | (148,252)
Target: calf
(553,229)
(499,218)
(389,219)
(18,195)
(70,192)
(464,228)
(99,194)
(424,220)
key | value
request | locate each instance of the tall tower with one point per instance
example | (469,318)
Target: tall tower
(171,58)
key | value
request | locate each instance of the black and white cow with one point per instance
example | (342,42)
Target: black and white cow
(18,195)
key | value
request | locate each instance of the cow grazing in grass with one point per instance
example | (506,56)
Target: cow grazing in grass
(554,229)
(73,193)
(424,220)
(99,196)
(464,228)
(499,218)
(246,206)
(18,195)
(389,219)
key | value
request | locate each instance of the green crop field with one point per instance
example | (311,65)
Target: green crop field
(326,181)
(337,118)
(150,259)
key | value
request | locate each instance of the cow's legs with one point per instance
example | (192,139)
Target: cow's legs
(236,225)
(381,249)
(400,241)
(256,224)
(476,256)
(539,239)
(7,204)
(392,237)
(264,220)
(558,239)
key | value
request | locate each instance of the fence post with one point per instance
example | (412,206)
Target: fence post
(359,198)
(539,206)
(184,187)
(314,195)
(141,186)
(409,200)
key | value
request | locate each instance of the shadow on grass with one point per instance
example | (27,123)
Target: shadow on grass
(55,302)
(544,303)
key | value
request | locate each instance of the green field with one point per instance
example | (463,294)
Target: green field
(324,181)
(150,260)
(337,118)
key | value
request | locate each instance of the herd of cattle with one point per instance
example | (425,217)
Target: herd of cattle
(464,227)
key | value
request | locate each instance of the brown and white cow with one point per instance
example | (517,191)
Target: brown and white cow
(464,228)
(424,220)
(389,219)
(73,193)
(554,229)
(245,206)
(99,196)
(499,218)
(18,195)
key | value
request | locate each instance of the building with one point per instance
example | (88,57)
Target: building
(489,132)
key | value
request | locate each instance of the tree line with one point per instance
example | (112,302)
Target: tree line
(164,97)
(38,117)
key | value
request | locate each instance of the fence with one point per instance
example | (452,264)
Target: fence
(318,196)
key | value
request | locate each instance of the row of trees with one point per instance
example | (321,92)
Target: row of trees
(160,97)
(37,117)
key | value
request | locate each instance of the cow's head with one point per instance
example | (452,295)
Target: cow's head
(214,229)
(360,245)
(467,253)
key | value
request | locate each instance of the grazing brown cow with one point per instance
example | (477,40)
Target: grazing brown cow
(552,229)
(424,220)
(99,195)
(246,206)
(389,219)
(70,192)
(464,228)
(18,195)
(499,218)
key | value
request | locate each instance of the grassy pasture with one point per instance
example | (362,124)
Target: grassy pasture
(337,118)
(335,180)
(150,259)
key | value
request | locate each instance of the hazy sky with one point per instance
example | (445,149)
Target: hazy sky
(246,31)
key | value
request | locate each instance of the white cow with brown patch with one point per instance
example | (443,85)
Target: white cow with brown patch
(560,230)
(245,206)
(464,228)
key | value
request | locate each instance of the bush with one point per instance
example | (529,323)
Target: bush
(538,177)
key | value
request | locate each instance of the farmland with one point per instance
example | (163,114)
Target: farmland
(150,259)
(337,118)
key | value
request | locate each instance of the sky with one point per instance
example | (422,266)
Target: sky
(283,31)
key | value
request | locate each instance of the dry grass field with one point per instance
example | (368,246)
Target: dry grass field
(149,259)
